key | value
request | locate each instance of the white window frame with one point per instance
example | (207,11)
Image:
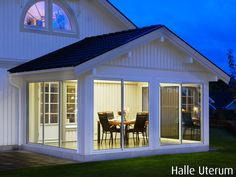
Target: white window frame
(180,85)
(75,103)
(49,103)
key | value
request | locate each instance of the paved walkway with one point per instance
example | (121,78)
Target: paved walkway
(22,159)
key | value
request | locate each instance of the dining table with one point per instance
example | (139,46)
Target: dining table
(116,122)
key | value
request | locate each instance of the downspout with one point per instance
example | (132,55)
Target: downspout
(16,85)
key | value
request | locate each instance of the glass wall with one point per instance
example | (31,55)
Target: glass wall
(180,103)
(170,114)
(120,114)
(136,107)
(53,113)
(107,114)
(191,113)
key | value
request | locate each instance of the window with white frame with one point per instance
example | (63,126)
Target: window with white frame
(71,103)
(51,102)
(49,16)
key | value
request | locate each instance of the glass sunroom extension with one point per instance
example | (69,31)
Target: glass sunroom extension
(120,114)
(53,114)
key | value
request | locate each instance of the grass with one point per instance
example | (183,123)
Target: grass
(224,156)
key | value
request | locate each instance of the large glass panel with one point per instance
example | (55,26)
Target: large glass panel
(35,116)
(35,16)
(53,113)
(136,107)
(191,113)
(60,20)
(69,121)
(107,114)
(170,114)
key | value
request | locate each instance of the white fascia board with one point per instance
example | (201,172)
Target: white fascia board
(196,55)
(117,14)
(84,67)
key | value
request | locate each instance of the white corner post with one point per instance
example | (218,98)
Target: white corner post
(206,125)
(154,127)
(22,108)
(85,115)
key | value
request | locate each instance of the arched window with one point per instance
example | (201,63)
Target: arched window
(35,16)
(49,15)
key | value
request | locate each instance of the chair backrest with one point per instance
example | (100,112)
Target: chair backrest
(104,121)
(110,115)
(144,114)
(140,122)
(187,120)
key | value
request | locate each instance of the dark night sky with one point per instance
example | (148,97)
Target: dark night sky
(207,25)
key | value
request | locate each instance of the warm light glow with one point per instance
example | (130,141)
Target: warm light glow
(195,109)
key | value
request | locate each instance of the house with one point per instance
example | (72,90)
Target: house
(221,100)
(80,81)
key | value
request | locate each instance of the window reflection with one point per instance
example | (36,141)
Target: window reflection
(60,20)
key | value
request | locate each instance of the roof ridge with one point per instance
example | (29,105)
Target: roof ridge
(129,30)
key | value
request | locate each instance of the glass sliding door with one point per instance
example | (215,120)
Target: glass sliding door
(169,95)
(53,113)
(181,113)
(191,112)
(107,114)
(136,108)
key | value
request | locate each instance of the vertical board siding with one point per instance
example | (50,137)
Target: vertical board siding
(158,55)
(17,44)
(8,111)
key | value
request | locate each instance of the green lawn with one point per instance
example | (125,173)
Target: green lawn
(157,166)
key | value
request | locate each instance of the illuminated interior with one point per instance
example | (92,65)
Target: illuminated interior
(121,114)
(53,114)
(108,101)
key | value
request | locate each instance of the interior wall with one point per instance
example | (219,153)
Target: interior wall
(106,92)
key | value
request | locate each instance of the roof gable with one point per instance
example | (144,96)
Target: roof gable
(83,51)
(93,51)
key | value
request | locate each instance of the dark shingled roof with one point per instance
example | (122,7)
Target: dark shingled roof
(84,50)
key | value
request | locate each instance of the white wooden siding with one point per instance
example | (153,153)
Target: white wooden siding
(158,55)
(14,44)
(8,111)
